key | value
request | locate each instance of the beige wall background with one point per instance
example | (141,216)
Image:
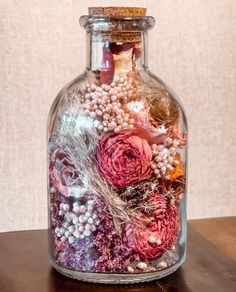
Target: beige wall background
(192,48)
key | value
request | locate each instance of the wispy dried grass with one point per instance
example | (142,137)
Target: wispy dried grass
(79,140)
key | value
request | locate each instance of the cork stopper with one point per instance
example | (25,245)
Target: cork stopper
(121,36)
(118,11)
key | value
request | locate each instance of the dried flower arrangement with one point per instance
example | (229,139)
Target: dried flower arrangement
(116,171)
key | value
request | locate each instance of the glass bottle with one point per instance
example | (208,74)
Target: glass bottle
(117,160)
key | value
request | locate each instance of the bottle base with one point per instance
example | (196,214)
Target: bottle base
(103,278)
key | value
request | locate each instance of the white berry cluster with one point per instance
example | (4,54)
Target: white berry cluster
(78,223)
(164,157)
(106,104)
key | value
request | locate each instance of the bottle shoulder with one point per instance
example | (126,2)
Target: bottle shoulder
(164,104)
(60,98)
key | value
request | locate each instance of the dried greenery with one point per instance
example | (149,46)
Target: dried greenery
(163,108)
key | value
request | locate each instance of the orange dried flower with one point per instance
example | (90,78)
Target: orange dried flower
(178,169)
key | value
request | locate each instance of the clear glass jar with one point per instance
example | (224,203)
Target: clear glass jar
(117,160)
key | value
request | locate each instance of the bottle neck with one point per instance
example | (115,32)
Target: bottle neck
(111,58)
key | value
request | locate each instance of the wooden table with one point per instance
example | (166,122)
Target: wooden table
(210,265)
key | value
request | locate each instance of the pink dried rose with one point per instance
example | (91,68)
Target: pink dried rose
(139,111)
(160,234)
(124,159)
(156,206)
(62,173)
(150,133)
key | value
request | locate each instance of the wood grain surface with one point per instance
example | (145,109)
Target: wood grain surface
(210,265)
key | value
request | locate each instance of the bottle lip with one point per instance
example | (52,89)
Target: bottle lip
(105,23)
